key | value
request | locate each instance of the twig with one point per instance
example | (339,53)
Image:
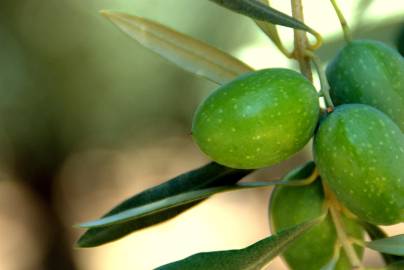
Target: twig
(341,234)
(301,42)
(325,89)
(341,18)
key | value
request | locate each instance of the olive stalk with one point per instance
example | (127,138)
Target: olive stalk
(341,18)
(301,42)
(344,239)
(324,87)
(303,54)
(358,242)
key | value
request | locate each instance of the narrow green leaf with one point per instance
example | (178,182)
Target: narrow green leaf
(391,245)
(210,175)
(301,171)
(188,53)
(259,11)
(376,233)
(262,12)
(174,201)
(252,257)
(156,207)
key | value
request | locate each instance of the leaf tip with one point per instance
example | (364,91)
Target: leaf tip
(78,226)
(91,239)
(122,20)
(77,245)
(111,15)
(82,242)
(106,13)
(84,225)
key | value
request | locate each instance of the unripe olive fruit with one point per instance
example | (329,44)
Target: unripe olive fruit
(359,152)
(372,73)
(292,205)
(258,119)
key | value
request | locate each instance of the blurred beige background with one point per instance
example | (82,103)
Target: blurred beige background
(88,117)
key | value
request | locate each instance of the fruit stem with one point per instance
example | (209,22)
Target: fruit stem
(344,24)
(341,234)
(325,89)
(357,242)
(304,182)
(301,42)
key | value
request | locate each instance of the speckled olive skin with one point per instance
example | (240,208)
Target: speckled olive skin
(359,151)
(258,119)
(372,73)
(293,205)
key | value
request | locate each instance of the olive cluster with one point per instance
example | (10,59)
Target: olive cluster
(265,117)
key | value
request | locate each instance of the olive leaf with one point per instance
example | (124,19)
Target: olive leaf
(301,171)
(375,233)
(158,206)
(260,11)
(210,175)
(390,245)
(253,257)
(188,53)
(185,198)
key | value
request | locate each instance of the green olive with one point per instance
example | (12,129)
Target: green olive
(369,72)
(292,205)
(258,119)
(359,152)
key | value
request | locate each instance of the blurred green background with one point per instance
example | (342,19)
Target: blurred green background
(89,117)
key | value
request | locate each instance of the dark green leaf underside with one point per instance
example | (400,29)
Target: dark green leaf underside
(390,245)
(210,175)
(259,11)
(375,233)
(253,257)
(184,198)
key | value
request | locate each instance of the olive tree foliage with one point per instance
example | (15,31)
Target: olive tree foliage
(258,118)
